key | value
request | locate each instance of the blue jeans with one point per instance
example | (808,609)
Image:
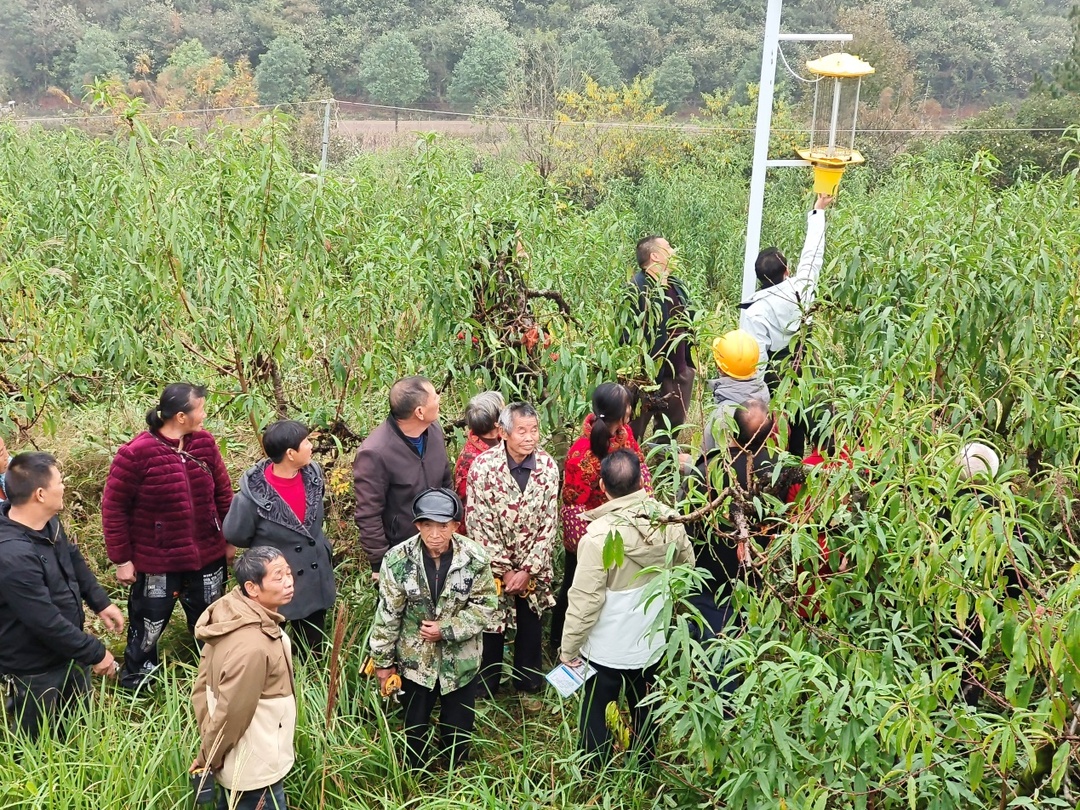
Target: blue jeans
(271,797)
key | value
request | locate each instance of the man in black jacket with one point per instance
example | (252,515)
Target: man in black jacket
(45,655)
(662,309)
(401,458)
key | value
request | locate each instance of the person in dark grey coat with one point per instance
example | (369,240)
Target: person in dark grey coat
(280,504)
(401,458)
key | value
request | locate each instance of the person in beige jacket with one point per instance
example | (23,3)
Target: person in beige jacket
(243,696)
(608,623)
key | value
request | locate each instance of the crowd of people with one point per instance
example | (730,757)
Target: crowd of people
(464,555)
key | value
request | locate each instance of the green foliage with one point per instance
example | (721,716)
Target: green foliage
(1026,141)
(392,72)
(485,71)
(96,57)
(281,76)
(1066,74)
(947,312)
(589,55)
(673,81)
(189,54)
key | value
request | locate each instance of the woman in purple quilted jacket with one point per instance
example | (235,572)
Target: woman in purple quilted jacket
(165,499)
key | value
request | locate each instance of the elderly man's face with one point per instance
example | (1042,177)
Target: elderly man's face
(524,438)
(277,585)
(436,536)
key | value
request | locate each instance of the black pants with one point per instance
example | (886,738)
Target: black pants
(150,606)
(562,601)
(678,393)
(457,715)
(308,635)
(42,699)
(603,688)
(528,653)
(720,619)
(271,797)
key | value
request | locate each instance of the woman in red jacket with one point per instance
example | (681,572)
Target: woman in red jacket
(165,499)
(606,430)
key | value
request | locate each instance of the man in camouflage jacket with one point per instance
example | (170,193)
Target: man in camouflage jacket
(436,596)
(513,510)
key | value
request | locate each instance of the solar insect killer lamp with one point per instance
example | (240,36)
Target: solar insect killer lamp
(830,155)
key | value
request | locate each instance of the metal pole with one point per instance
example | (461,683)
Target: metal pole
(766,85)
(835,117)
(855,115)
(325,137)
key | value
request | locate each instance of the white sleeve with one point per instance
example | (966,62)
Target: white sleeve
(806,275)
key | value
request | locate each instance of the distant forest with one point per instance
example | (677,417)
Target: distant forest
(464,54)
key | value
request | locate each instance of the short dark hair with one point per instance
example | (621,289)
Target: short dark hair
(252,567)
(408,394)
(281,436)
(621,473)
(26,474)
(646,247)
(770,267)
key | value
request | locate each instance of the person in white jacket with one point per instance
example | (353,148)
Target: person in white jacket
(608,623)
(775,312)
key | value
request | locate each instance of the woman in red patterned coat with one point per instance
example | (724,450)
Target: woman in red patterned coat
(606,430)
(482,422)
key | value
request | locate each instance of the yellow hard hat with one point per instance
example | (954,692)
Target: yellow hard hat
(736,354)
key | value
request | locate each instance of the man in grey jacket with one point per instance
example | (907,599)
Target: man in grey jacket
(401,458)
(608,622)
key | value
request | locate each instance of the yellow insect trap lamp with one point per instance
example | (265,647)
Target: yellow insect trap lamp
(827,154)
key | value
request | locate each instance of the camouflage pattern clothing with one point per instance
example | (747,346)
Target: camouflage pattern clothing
(519,529)
(464,609)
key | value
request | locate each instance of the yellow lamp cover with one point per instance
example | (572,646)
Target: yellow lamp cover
(820,156)
(840,66)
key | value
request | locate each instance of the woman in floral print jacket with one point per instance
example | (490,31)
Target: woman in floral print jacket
(513,511)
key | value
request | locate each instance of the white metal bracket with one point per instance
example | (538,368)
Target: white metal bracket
(761,162)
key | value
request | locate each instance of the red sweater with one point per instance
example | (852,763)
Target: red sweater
(162,510)
(291,491)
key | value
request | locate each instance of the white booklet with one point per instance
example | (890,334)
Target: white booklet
(567,679)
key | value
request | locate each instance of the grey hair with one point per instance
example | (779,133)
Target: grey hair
(516,409)
(482,412)
(252,567)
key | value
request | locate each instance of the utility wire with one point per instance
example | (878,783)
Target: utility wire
(783,59)
(630,125)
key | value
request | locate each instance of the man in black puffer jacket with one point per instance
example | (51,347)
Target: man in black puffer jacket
(45,655)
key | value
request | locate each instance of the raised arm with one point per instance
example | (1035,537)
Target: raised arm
(812,257)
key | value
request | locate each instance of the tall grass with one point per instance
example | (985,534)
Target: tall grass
(118,753)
